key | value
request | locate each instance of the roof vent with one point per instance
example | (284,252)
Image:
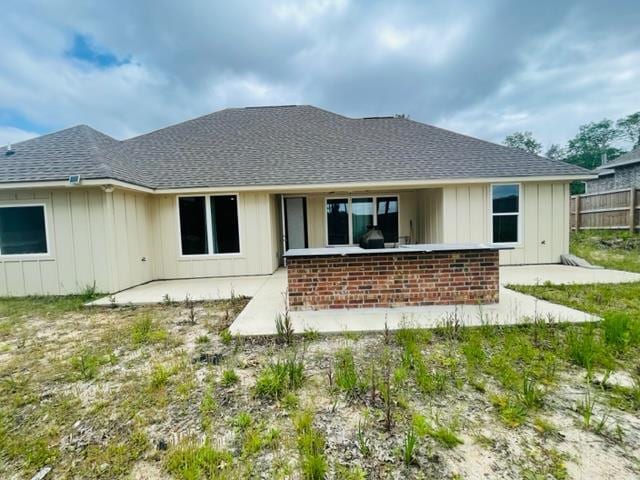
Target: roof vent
(10,151)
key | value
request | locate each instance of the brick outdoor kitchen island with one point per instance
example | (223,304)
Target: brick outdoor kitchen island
(408,275)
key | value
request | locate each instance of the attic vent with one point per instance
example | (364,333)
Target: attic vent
(377,118)
(10,151)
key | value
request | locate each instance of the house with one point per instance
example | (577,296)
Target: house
(622,172)
(228,193)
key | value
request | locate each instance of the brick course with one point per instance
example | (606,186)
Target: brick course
(392,280)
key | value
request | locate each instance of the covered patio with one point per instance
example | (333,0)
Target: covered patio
(267,293)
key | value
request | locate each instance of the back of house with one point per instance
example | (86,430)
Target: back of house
(228,193)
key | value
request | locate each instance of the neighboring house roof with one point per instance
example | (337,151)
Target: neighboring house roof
(625,159)
(260,146)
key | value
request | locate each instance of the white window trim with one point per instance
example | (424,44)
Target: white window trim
(349,199)
(23,256)
(207,206)
(500,214)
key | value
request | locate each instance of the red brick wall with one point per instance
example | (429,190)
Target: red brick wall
(393,279)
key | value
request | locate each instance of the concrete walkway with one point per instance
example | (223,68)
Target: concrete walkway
(197,288)
(562,274)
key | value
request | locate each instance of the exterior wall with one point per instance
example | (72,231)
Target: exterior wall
(623,177)
(258,246)
(88,245)
(392,280)
(131,255)
(429,213)
(316,222)
(544,221)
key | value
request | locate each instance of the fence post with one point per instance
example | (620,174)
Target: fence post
(577,213)
(632,209)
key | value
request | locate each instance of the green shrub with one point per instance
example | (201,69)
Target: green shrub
(531,395)
(87,363)
(226,337)
(160,376)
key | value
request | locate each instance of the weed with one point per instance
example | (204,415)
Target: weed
(585,408)
(582,346)
(146,331)
(512,413)
(160,376)
(531,395)
(242,421)
(87,363)
(346,373)
(311,445)
(409,446)
(284,328)
(386,390)
(310,335)
(202,339)
(290,401)
(616,330)
(229,377)
(190,305)
(344,472)
(208,404)
(280,377)
(543,426)
(473,351)
(89,292)
(444,434)
(226,337)
(362,441)
(191,461)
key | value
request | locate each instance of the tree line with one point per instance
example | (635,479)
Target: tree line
(592,142)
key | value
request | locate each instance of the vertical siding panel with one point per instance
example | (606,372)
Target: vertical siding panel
(545,221)
(449,217)
(478,214)
(463,215)
(49,273)
(64,254)
(15,278)
(81,239)
(31,277)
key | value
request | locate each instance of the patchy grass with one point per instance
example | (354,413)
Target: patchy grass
(137,392)
(599,298)
(616,250)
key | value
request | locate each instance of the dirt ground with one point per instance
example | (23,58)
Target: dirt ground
(140,392)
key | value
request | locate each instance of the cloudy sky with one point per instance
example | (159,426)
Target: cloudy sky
(483,68)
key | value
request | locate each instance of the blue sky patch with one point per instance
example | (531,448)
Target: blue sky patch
(85,49)
(14,119)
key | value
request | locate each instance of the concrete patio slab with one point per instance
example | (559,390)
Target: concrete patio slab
(513,308)
(197,288)
(562,274)
(267,292)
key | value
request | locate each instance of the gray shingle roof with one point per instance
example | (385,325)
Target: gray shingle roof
(625,159)
(273,146)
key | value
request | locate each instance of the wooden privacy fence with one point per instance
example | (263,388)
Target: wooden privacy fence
(612,210)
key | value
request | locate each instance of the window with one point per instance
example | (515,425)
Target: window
(209,224)
(361,216)
(349,218)
(338,221)
(505,213)
(23,230)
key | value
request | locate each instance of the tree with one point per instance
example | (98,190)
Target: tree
(591,143)
(629,128)
(556,152)
(523,141)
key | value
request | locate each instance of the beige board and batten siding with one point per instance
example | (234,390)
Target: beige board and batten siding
(257,248)
(80,236)
(316,211)
(544,211)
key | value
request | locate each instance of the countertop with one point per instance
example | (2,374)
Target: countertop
(412,248)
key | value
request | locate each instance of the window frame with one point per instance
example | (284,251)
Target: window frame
(374,198)
(207,203)
(519,213)
(22,256)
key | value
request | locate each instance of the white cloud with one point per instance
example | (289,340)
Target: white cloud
(11,135)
